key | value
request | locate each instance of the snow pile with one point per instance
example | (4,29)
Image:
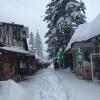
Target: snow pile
(85,32)
(9,90)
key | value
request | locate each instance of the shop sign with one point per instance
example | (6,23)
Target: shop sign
(79,56)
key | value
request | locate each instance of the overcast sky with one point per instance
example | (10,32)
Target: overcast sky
(31,12)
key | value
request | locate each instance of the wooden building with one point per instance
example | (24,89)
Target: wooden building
(84,47)
(13,49)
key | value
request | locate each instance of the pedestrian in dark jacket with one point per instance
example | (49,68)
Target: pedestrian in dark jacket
(56,65)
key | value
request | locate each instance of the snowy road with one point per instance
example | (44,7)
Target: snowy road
(47,85)
(50,85)
(60,85)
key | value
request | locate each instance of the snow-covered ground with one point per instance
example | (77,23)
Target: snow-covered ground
(9,90)
(48,84)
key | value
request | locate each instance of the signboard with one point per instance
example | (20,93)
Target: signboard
(60,57)
(79,56)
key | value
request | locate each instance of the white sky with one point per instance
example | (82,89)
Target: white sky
(92,9)
(30,12)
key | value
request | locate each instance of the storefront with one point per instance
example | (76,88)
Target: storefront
(85,46)
(10,63)
(81,59)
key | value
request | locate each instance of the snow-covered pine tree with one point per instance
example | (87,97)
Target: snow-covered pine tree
(63,17)
(31,41)
(52,40)
(38,45)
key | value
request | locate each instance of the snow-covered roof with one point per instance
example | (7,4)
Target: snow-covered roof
(43,61)
(85,32)
(14,49)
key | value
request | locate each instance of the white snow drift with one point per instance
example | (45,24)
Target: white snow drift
(9,90)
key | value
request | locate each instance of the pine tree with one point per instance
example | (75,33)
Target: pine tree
(63,17)
(38,45)
(31,41)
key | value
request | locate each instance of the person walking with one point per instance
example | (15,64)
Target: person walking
(56,65)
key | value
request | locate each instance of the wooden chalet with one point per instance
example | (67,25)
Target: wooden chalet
(84,49)
(13,50)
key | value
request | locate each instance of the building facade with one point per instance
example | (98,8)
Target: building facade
(13,35)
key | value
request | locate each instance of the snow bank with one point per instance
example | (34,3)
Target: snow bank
(9,90)
(85,32)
